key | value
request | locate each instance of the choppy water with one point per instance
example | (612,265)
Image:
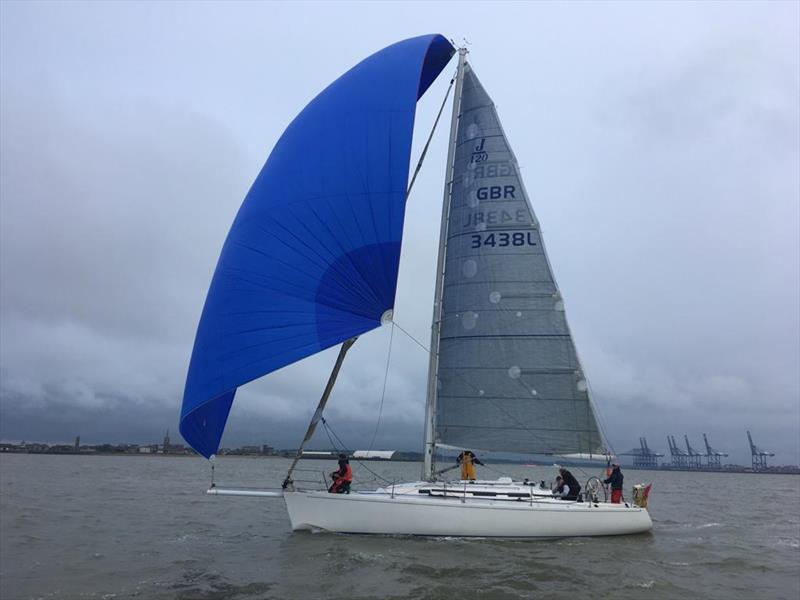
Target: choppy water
(141,527)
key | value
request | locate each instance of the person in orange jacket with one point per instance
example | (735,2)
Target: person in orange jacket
(342,478)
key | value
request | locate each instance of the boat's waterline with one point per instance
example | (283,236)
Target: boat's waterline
(405,514)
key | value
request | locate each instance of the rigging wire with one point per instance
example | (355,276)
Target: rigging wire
(498,471)
(475,388)
(383,392)
(336,447)
(430,137)
(579,468)
(412,338)
(471,385)
(329,431)
(599,416)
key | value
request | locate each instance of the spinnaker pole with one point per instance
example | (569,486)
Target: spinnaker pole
(429,444)
(312,426)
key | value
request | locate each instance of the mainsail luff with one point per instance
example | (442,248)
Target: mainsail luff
(507,375)
(428,446)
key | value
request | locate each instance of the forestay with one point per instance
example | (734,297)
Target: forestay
(311,259)
(509,378)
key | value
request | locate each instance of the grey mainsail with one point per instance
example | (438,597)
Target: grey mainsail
(508,376)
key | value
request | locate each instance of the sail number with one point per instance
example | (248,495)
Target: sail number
(496,192)
(492,170)
(503,239)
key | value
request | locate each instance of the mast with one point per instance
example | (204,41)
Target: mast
(433,364)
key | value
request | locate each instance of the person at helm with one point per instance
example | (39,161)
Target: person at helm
(615,479)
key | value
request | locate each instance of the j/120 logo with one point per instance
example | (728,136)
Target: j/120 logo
(479,154)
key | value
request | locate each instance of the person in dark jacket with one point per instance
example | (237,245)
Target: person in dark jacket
(342,477)
(570,482)
(615,479)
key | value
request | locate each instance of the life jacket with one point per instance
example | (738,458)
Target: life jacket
(347,475)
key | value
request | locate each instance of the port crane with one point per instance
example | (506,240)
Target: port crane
(643,456)
(680,459)
(694,457)
(759,455)
(714,457)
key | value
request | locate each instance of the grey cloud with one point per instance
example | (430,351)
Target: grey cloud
(659,144)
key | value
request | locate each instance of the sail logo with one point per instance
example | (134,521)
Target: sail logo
(479,154)
(496,192)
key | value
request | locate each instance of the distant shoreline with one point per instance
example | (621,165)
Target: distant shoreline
(666,469)
(217,457)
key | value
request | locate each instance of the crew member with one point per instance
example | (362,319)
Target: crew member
(571,483)
(560,489)
(615,479)
(468,460)
(342,478)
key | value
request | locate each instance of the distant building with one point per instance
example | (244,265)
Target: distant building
(374,454)
(317,454)
(62,449)
(13,448)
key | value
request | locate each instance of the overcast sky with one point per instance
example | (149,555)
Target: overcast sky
(660,145)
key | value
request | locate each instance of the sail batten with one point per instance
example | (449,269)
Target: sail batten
(508,375)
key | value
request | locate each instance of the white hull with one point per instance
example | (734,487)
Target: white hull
(385,513)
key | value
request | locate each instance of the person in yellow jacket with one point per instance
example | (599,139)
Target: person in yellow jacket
(468,460)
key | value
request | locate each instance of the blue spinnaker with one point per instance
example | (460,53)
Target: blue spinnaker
(312,257)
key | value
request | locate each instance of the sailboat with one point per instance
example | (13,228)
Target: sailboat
(311,262)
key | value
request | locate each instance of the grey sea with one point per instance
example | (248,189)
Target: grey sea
(142,527)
